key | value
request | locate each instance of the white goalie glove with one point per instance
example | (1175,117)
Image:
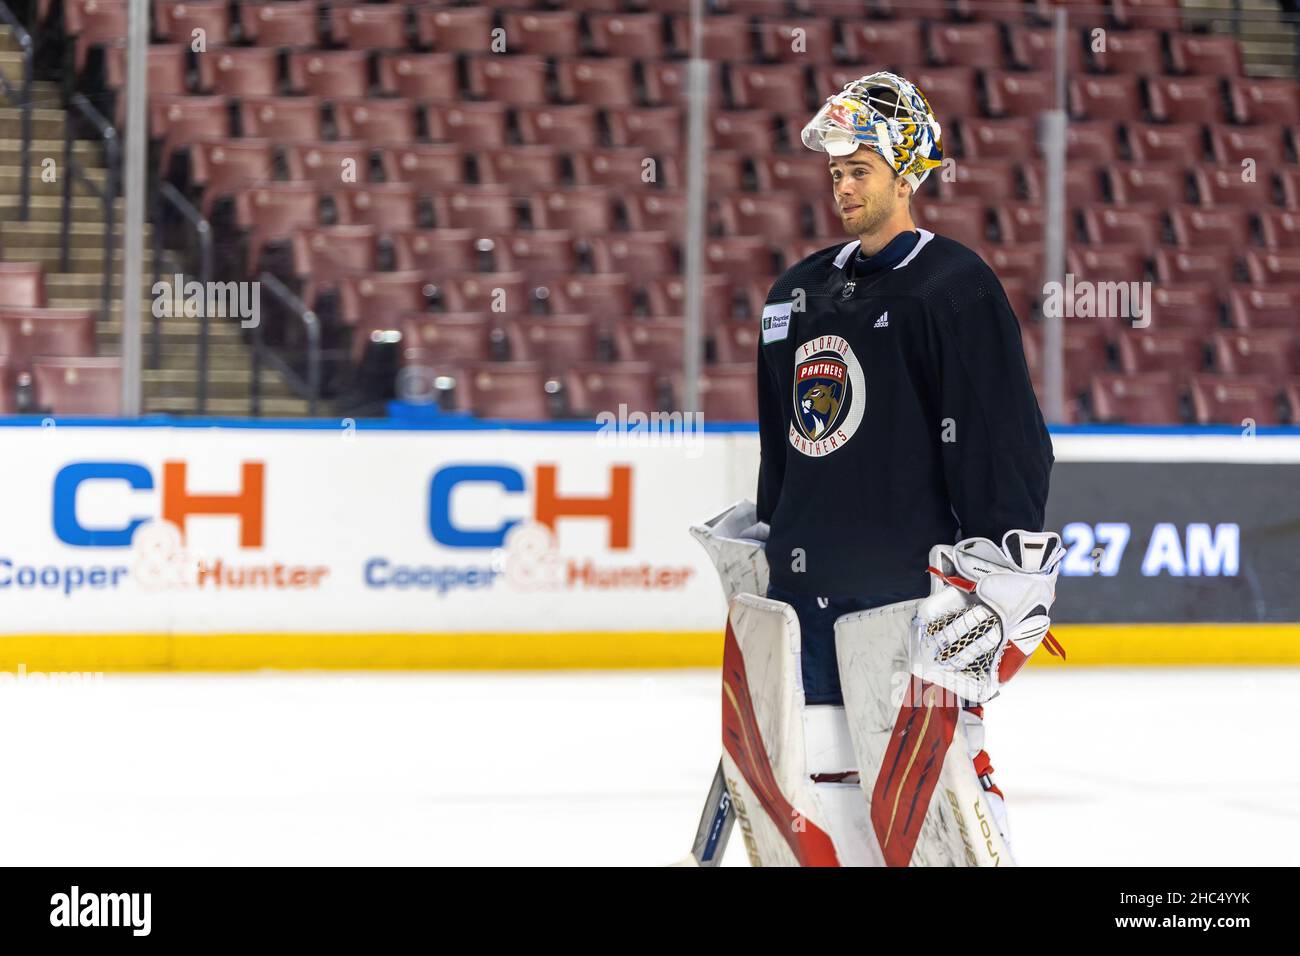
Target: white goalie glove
(987,612)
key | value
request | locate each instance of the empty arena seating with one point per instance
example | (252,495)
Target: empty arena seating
(500,191)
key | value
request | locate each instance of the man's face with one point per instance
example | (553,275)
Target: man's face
(866,190)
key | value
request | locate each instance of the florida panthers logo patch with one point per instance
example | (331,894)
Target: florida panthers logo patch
(829,396)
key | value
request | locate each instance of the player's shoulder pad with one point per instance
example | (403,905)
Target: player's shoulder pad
(809,273)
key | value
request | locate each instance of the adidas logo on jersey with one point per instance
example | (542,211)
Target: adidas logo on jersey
(882,322)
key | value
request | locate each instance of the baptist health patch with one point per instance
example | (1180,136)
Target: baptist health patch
(830,396)
(776,322)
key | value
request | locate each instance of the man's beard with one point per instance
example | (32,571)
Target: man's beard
(869,219)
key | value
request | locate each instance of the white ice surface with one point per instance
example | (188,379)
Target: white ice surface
(1185,767)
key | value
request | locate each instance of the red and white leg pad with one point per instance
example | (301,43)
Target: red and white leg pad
(788,766)
(910,737)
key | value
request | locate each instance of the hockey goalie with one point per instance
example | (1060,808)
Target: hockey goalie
(893,573)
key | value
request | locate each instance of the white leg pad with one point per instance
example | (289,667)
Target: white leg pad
(956,827)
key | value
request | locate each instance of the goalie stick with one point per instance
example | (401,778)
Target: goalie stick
(715,825)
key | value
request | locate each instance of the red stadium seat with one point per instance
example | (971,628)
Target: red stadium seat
(666,297)
(658,342)
(554,341)
(736,342)
(1164,184)
(287,23)
(739,256)
(167,68)
(1020,222)
(473,125)
(1270,352)
(893,42)
(1217,266)
(181,120)
(369,26)
(990,181)
(1221,228)
(656,212)
(775,216)
(544,33)
(728,393)
(78,386)
(1199,53)
(22,285)
(1150,399)
(1185,305)
(382,296)
(1147,14)
(1034,48)
(597,82)
(951,92)
(1178,352)
(329,164)
(1020,94)
(1270,307)
(517,80)
(94,22)
(780,43)
(1091,141)
(1104,97)
(571,127)
(37,333)
(609,295)
(226,167)
(618,168)
(658,129)
(240,71)
(445,337)
(665,83)
(442,251)
(455,29)
(1192,99)
(325,253)
(286,119)
(1281,228)
(960,219)
(798,176)
(1290,179)
(430,168)
(485,208)
(511,390)
(772,87)
(724,38)
(1273,267)
(1022,263)
(1131,51)
(638,36)
(640,253)
(541,252)
(177,22)
(966,44)
(593,387)
(1266,145)
(1140,225)
(1220,400)
(582,211)
(272,213)
(522,167)
(377,122)
(386,206)
(419,76)
(1265,101)
(997,139)
(1112,263)
(330,74)
(1173,143)
(498,292)
(1225,186)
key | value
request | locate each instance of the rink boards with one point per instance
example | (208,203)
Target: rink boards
(167,544)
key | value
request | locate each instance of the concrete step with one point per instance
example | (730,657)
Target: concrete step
(11,182)
(46,123)
(222,383)
(83,151)
(271,407)
(34,235)
(87,260)
(50,209)
(219,332)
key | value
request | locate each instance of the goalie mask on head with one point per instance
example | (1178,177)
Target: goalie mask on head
(887,114)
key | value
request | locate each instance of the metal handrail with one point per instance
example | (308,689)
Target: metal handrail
(24,104)
(168,194)
(262,352)
(107,195)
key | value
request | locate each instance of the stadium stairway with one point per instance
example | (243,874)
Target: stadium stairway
(1268,45)
(173,386)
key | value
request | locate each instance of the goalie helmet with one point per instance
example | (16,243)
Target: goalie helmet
(887,114)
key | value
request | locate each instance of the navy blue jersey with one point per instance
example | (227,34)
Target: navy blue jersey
(895,413)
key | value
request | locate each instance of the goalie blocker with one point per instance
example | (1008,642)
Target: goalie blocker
(898,775)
